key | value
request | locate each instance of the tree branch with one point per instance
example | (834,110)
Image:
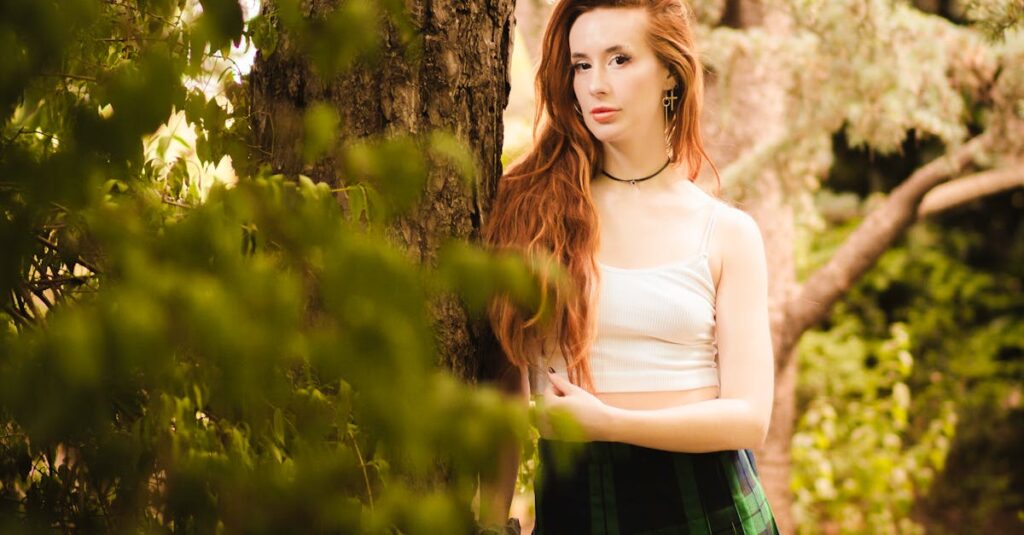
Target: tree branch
(55,282)
(78,260)
(16,315)
(70,76)
(866,244)
(173,202)
(968,188)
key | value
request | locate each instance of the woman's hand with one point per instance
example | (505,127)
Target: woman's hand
(588,411)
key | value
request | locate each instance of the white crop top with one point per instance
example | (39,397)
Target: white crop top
(655,326)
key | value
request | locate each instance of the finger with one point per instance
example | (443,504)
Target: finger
(551,391)
(553,386)
(561,384)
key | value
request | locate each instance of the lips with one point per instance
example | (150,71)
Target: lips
(603,114)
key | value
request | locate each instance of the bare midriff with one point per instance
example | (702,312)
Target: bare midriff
(657,400)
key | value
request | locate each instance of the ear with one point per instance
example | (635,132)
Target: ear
(669,81)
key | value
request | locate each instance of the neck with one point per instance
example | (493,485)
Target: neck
(636,157)
(666,176)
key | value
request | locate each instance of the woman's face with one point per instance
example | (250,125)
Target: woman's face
(615,69)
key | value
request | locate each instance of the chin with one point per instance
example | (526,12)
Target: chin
(607,133)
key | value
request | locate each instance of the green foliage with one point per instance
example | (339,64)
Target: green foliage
(994,17)
(321,124)
(960,291)
(855,463)
(183,352)
(200,366)
(914,368)
(220,24)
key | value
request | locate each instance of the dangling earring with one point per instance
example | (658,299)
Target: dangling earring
(668,102)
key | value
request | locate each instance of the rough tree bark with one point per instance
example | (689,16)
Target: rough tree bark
(461,84)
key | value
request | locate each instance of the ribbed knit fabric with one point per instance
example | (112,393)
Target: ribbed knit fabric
(655,326)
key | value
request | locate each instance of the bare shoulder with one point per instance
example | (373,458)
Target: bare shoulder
(736,241)
(735,225)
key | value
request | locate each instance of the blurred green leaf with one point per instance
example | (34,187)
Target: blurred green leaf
(222,22)
(449,147)
(321,127)
(395,166)
(264,34)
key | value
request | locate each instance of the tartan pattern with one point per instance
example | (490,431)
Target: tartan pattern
(613,488)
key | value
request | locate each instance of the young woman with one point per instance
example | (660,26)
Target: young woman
(662,351)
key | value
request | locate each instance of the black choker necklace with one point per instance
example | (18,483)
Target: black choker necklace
(633,181)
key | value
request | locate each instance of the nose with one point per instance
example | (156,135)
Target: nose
(598,80)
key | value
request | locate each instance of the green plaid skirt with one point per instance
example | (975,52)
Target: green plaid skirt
(612,488)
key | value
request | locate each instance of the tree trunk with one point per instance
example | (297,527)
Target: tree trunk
(776,220)
(460,84)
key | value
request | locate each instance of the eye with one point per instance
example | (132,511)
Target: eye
(625,58)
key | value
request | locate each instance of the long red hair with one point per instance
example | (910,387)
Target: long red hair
(543,204)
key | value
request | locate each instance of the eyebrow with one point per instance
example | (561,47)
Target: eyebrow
(609,50)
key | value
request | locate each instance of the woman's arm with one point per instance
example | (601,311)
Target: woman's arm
(497,489)
(739,418)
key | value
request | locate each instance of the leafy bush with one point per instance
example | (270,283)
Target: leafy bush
(237,355)
(911,380)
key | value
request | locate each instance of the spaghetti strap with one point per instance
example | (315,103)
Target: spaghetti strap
(706,239)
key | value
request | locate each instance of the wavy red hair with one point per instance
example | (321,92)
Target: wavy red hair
(543,204)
